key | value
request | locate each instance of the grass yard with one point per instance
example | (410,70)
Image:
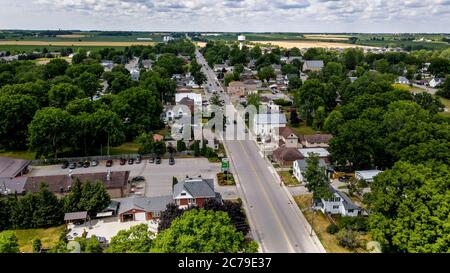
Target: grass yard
(48,237)
(320,225)
(27,155)
(221,179)
(304,130)
(288,179)
(126,148)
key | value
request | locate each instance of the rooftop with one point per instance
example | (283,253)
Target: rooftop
(11,167)
(274,118)
(321,152)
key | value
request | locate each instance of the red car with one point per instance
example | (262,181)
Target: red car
(109,163)
(123,161)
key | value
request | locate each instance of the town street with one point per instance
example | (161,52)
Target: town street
(277,223)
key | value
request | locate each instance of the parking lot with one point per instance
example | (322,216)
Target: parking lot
(158,176)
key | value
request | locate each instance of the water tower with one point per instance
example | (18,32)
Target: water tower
(241,39)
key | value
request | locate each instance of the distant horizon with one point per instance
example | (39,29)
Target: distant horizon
(193,31)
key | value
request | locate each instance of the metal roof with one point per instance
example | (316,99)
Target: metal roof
(81,215)
(148,204)
(11,167)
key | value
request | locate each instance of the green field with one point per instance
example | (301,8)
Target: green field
(48,237)
(28,48)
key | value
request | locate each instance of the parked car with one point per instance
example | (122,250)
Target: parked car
(72,165)
(65,165)
(138,160)
(80,164)
(344,178)
(151,160)
(138,179)
(158,160)
(171,161)
(109,163)
(123,161)
(94,163)
(87,164)
(130,161)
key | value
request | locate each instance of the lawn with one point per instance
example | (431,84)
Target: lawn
(48,237)
(320,225)
(288,179)
(27,155)
(126,148)
(221,179)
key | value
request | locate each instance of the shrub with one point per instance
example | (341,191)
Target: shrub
(348,238)
(332,229)
(353,223)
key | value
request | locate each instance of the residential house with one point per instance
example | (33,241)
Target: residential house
(352,79)
(312,66)
(367,175)
(107,65)
(300,166)
(194,192)
(266,124)
(340,203)
(316,140)
(287,137)
(137,208)
(189,103)
(402,80)
(436,82)
(219,68)
(236,88)
(11,186)
(285,156)
(276,68)
(135,74)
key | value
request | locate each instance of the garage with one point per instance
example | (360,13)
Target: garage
(139,216)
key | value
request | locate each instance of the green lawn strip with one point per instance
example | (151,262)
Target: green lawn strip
(288,178)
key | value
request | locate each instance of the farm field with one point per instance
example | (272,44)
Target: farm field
(74,43)
(309,44)
(326,37)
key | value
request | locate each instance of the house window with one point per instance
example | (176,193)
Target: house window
(335,207)
(192,201)
(350,211)
(156,214)
(183,194)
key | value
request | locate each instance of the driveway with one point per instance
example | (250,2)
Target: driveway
(108,227)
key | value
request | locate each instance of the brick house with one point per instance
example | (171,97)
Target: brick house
(138,208)
(194,192)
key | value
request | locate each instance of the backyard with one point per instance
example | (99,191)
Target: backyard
(48,237)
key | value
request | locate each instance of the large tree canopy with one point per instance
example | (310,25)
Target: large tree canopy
(409,206)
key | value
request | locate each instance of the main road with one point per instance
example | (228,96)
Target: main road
(276,222)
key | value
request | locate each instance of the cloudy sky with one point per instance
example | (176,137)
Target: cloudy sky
(229,15)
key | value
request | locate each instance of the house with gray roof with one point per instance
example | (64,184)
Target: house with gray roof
(312,65)
(268,124)
(340,203)
(12,186)
(137,208)
(194,192)
(300,166)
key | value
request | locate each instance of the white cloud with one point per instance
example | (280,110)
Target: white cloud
(231,15)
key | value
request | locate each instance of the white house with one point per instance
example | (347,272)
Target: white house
(402,80)
(266,124)
(340,203)
(300,166)
(135,74)
(435,82)
(367,175)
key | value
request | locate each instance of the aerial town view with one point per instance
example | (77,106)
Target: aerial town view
(245,127)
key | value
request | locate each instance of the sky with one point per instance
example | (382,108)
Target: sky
(390,16)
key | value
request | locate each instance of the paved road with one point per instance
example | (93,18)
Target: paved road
(277,223)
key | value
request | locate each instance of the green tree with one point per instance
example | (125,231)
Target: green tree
(61,94)
(146,144)
(71,202)
(444,90)
(333,121)
(8,242)
(310,98)
(88,82)
(93,245)
(56,67)
(137,239)
(294,83)
(48,210)
(200,231)
(407,208)
(49,131)
(181,146)
(319,118)
(37,245)
(139,108)
(255,100)
(348,238)
(17,112)
(159,148)
(266,73)
(316,179)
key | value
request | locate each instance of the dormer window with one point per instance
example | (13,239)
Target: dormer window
(183,194)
